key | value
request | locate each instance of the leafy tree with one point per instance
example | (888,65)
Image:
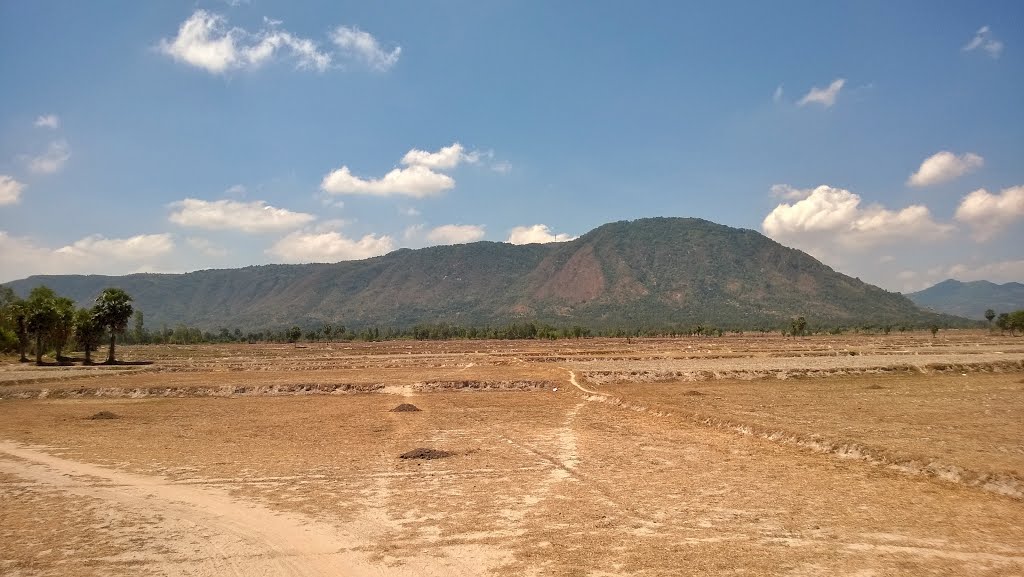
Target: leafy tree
(934,329)
(88,332)
(1003,322)
(1015,322)
(798,326)
(294,334)
(20,312)
(13,334)
(139,328)
(63,325)
(989,315)
(112,310)
(42,316)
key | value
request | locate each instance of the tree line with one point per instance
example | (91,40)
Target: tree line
(1012,322)
(45,321)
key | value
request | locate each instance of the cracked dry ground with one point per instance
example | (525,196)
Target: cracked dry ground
(540,482)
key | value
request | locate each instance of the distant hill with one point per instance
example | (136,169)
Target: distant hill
(971,299)
(649,272)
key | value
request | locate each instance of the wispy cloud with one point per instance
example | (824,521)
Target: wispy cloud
(456,233)
(984,40)
(48,121)
(787,192)
(95,254)
(10,190)
(357,44)
(51,161)
(253,217)
(205,41)
(330,246)
(823,96)
(206,247)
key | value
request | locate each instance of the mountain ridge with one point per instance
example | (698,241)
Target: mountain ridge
(970,299)
(658,271)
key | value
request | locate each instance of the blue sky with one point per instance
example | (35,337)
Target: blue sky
(884,138)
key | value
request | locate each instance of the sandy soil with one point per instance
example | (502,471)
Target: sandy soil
(613,477)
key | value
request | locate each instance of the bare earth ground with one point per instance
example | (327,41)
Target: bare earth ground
(851,455)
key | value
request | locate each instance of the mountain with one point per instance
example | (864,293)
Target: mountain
(648,272)
(971,299)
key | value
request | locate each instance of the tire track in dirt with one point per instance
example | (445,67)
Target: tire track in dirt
(995,482)
(212,533)
(565,462)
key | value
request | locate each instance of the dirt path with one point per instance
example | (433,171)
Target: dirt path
(575,383)
(210,532)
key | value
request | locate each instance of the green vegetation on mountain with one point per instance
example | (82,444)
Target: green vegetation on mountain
(970,299)
(654,272)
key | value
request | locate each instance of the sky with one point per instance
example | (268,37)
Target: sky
(884,138)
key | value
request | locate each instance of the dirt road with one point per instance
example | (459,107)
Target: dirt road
(211,532)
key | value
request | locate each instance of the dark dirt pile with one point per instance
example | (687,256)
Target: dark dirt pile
(103,415)
(424,453)
(405,408)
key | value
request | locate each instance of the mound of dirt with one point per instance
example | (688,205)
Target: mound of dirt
(104,415)
(424,453)
(405,408)
(692,393)
(874,387)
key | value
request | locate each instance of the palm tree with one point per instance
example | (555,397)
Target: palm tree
(88,332)
(63,325)
(113,308)
(41,317)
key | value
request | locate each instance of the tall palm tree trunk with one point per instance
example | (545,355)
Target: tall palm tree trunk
(110,355)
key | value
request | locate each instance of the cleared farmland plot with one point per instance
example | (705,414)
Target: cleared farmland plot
(853,455)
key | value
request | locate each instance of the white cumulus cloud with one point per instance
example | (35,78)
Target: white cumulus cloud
(988,214)
(984,40)
(360,45)
(834,217)
(255,217)
(419,178)
(331,246)
(10,190)
(537,233)
(787,192)
(136,248)
(48,121)
(51,161)
(446,158)
(456,233)
(415,181)
(21,257)
(944,166)
(823,96)
(205,41)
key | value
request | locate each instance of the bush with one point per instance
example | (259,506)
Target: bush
(8,341)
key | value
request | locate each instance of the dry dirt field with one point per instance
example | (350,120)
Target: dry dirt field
(742,455)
